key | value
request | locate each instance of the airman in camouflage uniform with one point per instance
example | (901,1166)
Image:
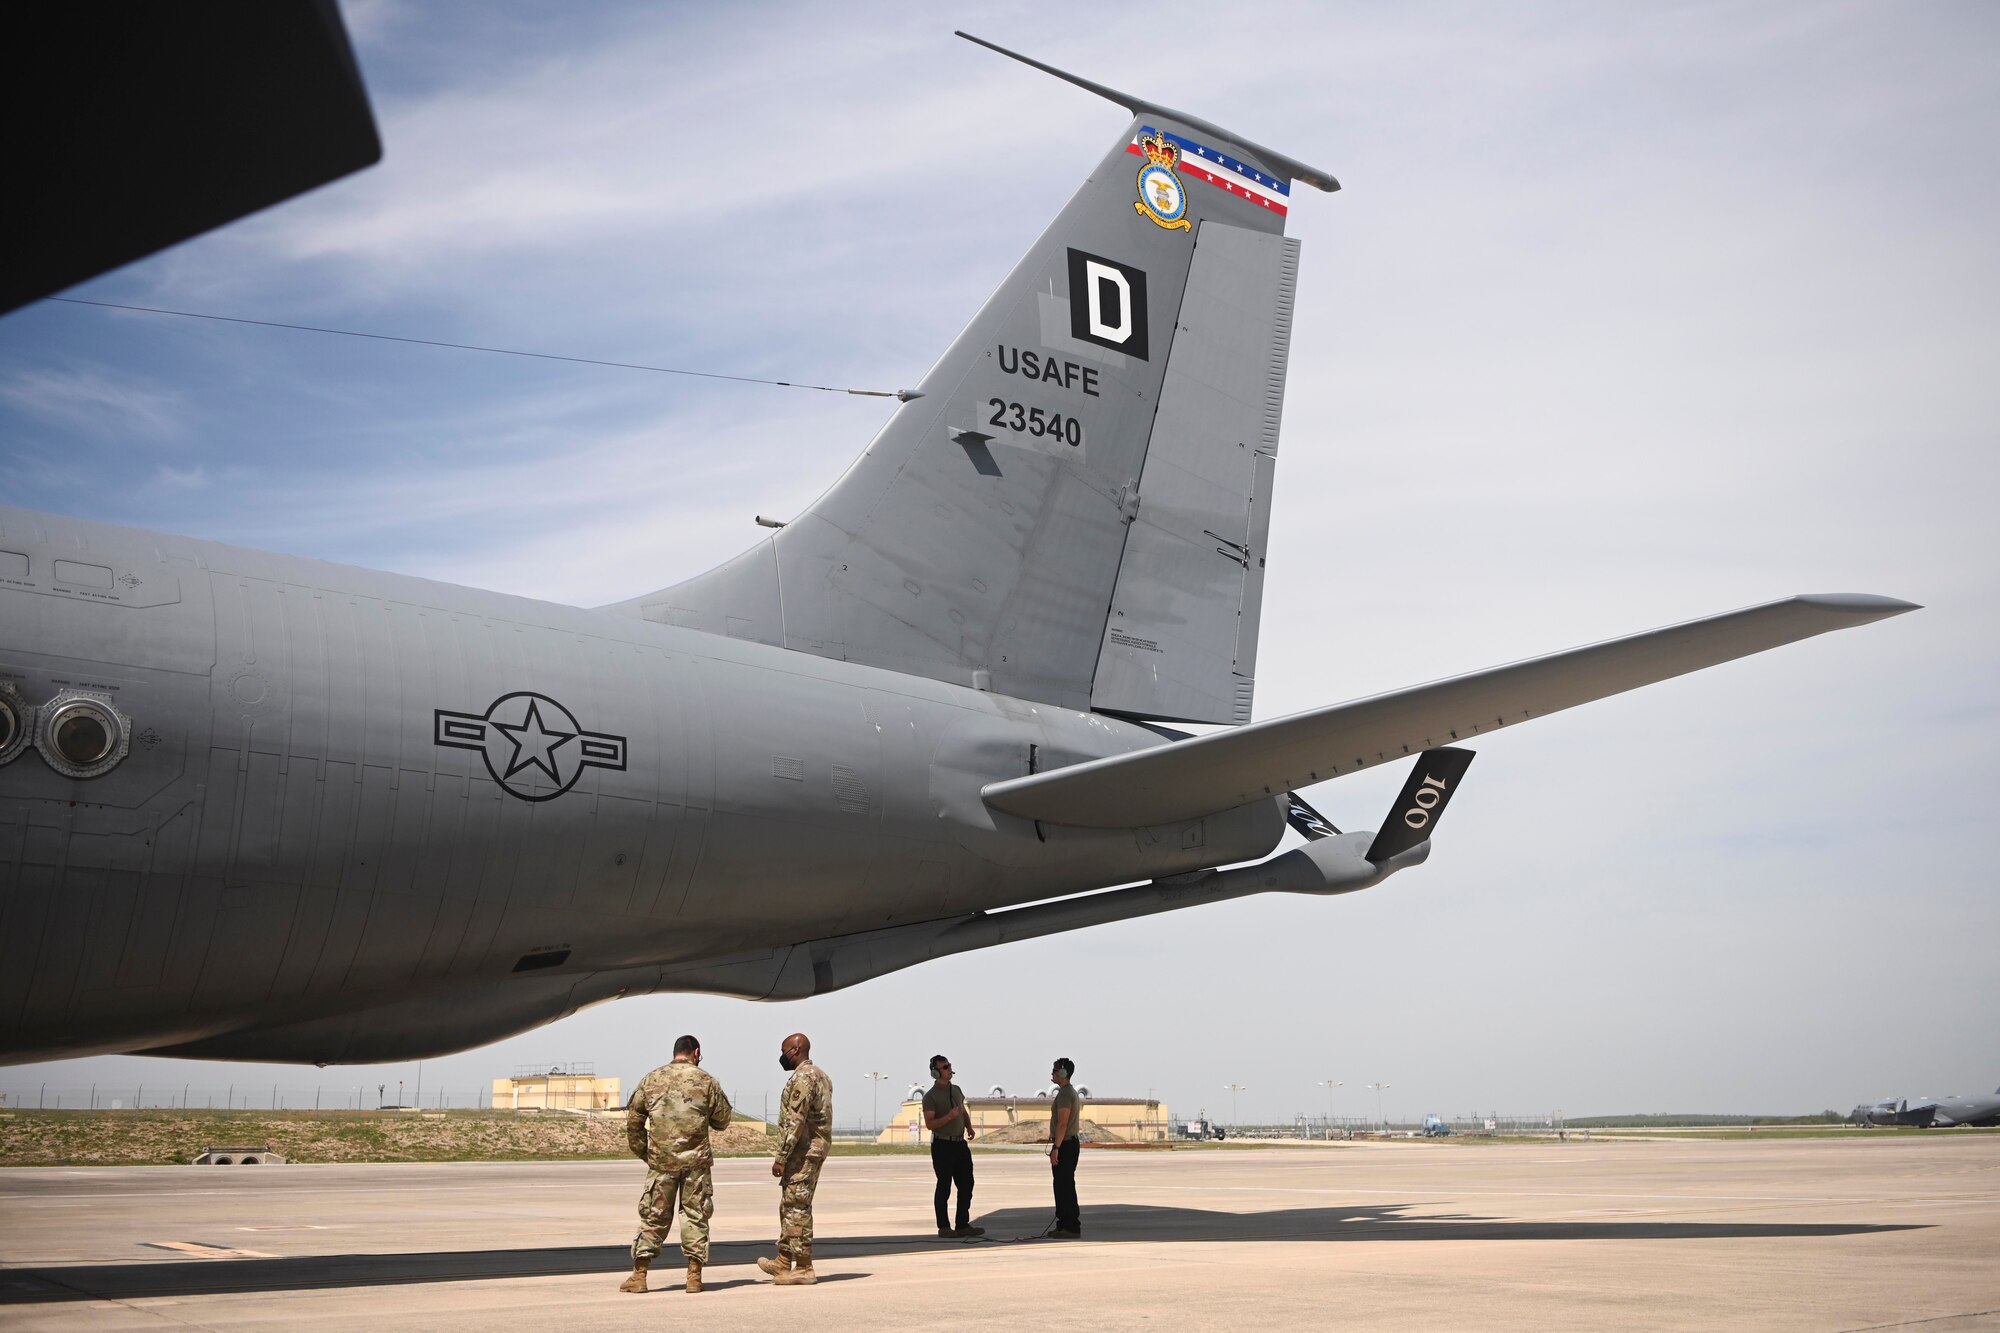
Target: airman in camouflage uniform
(667,1124)
(805,1128)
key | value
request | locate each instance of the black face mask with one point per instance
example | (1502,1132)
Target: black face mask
(786,1063)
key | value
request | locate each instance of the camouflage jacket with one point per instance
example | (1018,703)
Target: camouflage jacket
(670,1114)
(805,1114)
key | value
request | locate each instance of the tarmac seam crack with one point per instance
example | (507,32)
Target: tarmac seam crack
(1931,1319)
(133,1306)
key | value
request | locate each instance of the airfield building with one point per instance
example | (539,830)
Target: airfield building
(1014,1119)
(570,1087)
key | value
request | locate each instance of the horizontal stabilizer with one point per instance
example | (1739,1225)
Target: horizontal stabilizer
(1420,805)
(1190,778)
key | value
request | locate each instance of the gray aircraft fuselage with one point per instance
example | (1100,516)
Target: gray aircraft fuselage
(337,800)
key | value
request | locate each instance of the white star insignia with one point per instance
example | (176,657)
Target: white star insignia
(534,744)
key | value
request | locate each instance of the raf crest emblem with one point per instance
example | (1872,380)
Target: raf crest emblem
(1162,194)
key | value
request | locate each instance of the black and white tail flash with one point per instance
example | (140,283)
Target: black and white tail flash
(1421,803)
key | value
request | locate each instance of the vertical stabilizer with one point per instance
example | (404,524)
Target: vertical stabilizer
(980,537)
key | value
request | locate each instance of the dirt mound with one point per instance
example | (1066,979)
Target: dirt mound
(1037,1131)
(107,1138)
(748,1138)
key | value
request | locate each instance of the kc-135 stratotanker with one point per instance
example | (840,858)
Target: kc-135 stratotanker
(260,807)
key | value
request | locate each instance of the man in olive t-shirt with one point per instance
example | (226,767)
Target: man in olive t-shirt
(1065,1118)
(951,1156)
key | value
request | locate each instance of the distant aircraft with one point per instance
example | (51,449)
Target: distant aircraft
(1880,1114)
(1931,1113)
(259,807)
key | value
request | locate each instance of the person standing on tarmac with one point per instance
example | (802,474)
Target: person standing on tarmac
(667,1124)
(805,1129)
(1065,1119)
(951,1153)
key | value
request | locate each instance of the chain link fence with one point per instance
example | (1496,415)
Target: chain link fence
(243,1097)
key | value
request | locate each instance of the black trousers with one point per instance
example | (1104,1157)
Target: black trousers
(951,1162)
(1068,1218)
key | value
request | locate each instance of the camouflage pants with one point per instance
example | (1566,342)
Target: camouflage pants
(795,1209)
(696,1190)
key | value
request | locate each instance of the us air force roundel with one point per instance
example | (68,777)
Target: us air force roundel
(532,745)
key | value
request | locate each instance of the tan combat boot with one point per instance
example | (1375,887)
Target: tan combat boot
(775,1267)
(694,1276)
(637,1282)
(801,1273)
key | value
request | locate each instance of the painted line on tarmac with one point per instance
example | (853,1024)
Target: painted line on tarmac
(196,1249)
(1604,1194)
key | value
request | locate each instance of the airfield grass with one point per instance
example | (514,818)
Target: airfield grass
(161,1137)
(1878,1133)
(170,1137)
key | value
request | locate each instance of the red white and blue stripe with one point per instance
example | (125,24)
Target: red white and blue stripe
(1222,171)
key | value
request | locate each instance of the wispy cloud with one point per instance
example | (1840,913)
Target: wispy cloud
(168,478)
(95,402)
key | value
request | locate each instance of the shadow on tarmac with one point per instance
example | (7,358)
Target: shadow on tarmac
(1142,1222)
(1115,1223)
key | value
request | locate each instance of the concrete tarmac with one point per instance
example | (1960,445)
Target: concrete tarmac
(1862,1232)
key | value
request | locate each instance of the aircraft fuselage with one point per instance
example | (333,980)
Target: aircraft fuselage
(369,816)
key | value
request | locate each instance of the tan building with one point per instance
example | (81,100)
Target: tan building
(570,1087)
(1130,1119)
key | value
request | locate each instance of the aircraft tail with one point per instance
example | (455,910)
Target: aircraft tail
(1072,507)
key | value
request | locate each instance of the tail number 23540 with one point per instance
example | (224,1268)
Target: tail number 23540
(1034,421)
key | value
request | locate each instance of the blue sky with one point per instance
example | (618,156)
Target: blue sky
(1624,316)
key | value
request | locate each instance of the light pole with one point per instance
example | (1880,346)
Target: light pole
(1232,1089)
(875,1077)
(1330,1084)
(1378,1104)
